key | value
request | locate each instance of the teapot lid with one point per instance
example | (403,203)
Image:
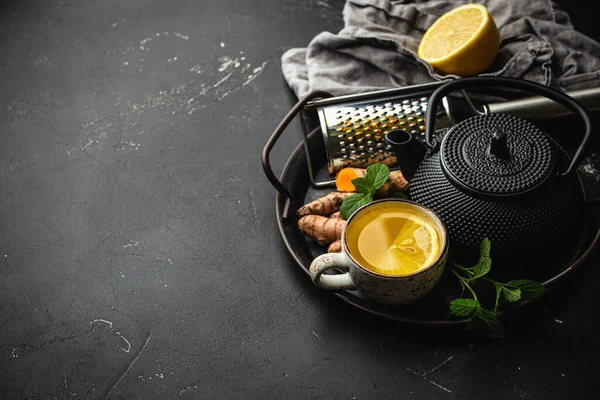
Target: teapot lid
(496,155)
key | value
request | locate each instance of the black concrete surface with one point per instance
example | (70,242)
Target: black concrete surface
(139,251)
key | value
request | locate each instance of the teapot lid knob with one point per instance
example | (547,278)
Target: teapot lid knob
(498,145)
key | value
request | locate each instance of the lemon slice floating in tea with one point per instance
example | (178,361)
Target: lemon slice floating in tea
(399,245)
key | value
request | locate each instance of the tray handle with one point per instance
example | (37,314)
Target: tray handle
(592,203)
(266,163)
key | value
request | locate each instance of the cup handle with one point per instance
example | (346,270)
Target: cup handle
(327,261)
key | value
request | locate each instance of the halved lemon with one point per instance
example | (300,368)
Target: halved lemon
(464,41)
(414,243)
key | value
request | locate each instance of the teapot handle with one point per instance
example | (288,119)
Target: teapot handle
(512,83)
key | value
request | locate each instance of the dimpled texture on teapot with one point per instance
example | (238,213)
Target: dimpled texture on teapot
(465,155)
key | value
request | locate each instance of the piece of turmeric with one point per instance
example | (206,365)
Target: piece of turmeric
(322,229)
(394,183)
(343,179)
(323,206)
(335,247)
(336,214)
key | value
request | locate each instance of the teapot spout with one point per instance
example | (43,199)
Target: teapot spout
(409,151)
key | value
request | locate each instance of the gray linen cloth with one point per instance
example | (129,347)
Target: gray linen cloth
(377,47)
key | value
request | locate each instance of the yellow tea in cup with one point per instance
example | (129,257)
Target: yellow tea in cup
(394,239)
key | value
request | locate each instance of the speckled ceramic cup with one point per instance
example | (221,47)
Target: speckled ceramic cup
(388,289)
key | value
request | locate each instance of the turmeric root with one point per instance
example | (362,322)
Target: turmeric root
(323,206)
(395,183)
(322,229)
(336,214)
(335,247)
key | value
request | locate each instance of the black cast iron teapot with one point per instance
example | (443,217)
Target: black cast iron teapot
(496,175)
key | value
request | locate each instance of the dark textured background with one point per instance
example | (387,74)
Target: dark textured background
(139,251)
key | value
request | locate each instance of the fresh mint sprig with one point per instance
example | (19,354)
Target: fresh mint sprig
(510,291)
(375,176)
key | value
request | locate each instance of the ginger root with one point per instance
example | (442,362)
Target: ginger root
(335,247)
(323,206)
(322,229)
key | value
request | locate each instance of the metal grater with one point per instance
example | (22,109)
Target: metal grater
(355,135)
(354,127)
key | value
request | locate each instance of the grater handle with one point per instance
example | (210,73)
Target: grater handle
(266,163)
(512,83)
(542,108)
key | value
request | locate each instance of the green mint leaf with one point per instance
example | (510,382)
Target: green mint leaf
(362,185)
(463,307)
(484,248)
(481,268)
(353,203)
(490,322)
(377,175)
(511,295)
(529,289)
